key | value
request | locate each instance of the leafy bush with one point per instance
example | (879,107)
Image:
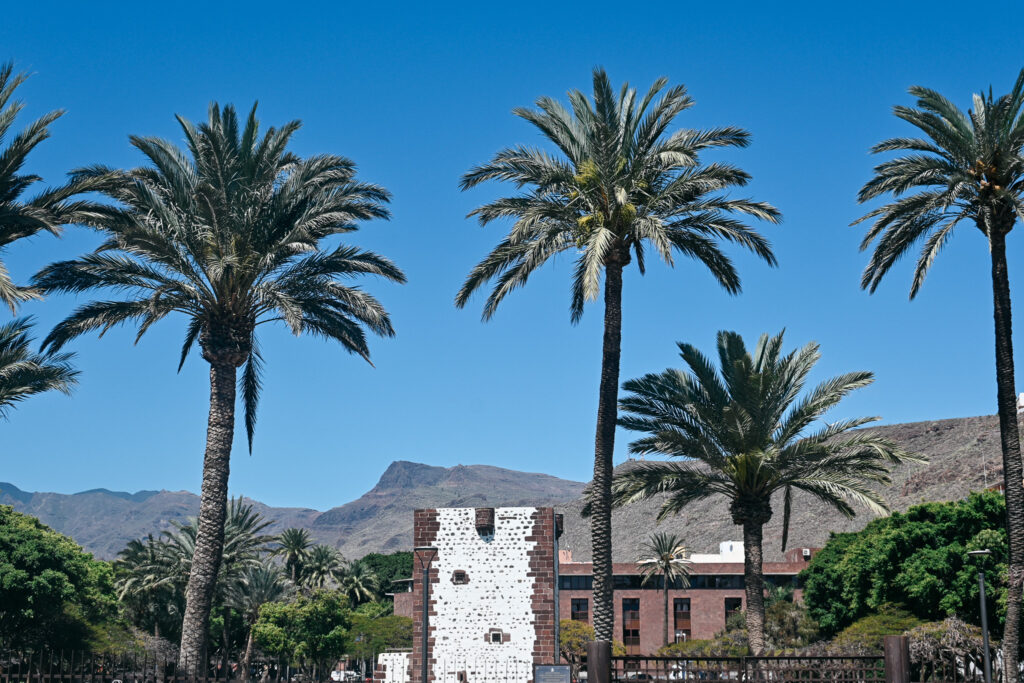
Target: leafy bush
(866,634)
(52,593)
(916,559)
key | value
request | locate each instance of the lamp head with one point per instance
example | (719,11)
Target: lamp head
(979,553)
(426,554)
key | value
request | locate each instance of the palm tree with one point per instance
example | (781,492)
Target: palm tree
(619,185)
(152,574)
(44,212)
(665,554)
(144,584)
(744,432)
(967,167)
(358,582)
(24,373)
(257,586)
(229,233)
(322,565)
(293,546)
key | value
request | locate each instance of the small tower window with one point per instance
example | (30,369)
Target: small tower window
(460,577)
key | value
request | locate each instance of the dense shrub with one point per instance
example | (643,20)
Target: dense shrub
(52,593)
(916,559)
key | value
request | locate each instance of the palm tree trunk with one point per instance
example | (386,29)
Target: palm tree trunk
(213,503)
(1013,472)
(604,445)
(247,658)
(754,579)
(664,630)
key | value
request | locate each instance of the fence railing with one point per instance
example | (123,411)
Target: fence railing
(60,666)
(795,669)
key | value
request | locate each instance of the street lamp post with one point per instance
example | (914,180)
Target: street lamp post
(984,612)
(426,555)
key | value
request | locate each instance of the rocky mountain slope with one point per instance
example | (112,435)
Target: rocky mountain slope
(104,521)
(963,456)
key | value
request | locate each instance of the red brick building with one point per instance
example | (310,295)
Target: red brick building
(716,589)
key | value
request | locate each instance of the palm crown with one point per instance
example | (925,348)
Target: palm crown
(969,166)
(24,373)
(231,235)
(18,218)
(665,554)
(744,432)
(619,186)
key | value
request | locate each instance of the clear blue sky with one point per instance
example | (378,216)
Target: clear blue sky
(418,93)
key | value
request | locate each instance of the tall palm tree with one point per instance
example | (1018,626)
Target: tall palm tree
(293,546)
(618,185)
(230,233)
(25,373)
(967,167)
(358,582)
(743,431)
(322,565)
(665,555)
(257,586)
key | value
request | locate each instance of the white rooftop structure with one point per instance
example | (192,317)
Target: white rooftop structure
(728,551)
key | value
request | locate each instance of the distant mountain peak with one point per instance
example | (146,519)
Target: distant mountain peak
(403,474)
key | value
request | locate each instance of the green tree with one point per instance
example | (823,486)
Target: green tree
(152,570)
(388,568)
(312,629)
(151,599)
(258,585)
(372,634)
(619,185)
(915,559)
(968,167)
(322,566)
(358,582)
(665,555)
(293,546)
(573,637)
(51,592)
(743,431)
(230,233)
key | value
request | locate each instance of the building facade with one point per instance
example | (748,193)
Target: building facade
(491,606)
(716,590)
(494,587)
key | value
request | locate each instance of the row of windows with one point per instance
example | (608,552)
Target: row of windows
(580,611)
(585,582)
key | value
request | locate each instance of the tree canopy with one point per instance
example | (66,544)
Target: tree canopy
(916,559)
(51,590)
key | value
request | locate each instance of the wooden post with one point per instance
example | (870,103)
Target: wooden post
(599,661)
(897,659)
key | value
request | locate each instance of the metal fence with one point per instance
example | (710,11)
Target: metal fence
(793,669)
(60,666)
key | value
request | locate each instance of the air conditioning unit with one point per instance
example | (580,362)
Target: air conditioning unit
(806,553)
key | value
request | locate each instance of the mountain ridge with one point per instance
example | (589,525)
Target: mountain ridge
(964,455)
(103,521)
